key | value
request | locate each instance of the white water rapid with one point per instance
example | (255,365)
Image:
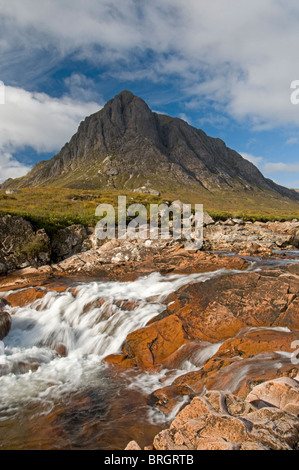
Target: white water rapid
(91,323)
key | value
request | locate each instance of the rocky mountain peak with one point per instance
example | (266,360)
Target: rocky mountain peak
(126,146)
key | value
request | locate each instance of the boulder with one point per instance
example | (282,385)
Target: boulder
(5,324)
(207,219)
(20,245)
(282,393)
(152,345)
(133,446)
(68,241)
(222,421)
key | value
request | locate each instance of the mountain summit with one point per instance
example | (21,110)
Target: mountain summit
(125,146)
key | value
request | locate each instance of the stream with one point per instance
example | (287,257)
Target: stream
(74,400)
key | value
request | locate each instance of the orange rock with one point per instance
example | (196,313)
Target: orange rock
(222,421)
(133,446)
(282,393)
(152,345)
(218,308)
(238,365)
(24,297)
(120,360)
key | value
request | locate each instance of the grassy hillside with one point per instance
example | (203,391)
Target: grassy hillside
(54,208)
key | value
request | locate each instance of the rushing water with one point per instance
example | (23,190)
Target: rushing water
(37,385)
(75,400)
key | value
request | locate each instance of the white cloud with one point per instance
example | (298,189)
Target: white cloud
(10,167)
(237,53)
(38,121)
(271,167)
(236,56)
(252,158)
(292,141)
(279,167)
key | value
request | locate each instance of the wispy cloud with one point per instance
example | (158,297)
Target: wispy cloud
(268,167)
(253,159)
(237,54)
(292,141)
(279,167)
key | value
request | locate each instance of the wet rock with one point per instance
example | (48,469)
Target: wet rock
(218,308)
(5,324)
(237,365)
(20,298)
(152,345)
(219,420)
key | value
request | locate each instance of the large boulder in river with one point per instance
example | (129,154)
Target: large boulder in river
(216,310)
(21,245)
(5,324)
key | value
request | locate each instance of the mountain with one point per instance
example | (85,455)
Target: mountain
(126,146)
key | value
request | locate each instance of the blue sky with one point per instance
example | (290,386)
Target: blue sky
(224,66)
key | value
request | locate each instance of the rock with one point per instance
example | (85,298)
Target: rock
(282,393)
(146,190)
(20,298)
(234,364)
(235,235)
(238,221)
(179,204)
(295,238)
(221,421)
(229,222)
(12,191)
(133,446)
(5,324)
(152,345)
(3,268)
(218,308)
(207,219)
(20,245)
(68,241)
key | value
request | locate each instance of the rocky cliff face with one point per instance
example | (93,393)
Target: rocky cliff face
(126,145)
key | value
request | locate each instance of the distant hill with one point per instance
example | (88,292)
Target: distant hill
(126,146)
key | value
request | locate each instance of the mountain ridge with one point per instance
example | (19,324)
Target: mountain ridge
(125,145)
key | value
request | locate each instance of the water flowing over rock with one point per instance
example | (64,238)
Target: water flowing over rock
(206,339)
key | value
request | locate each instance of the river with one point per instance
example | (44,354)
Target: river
(74,400)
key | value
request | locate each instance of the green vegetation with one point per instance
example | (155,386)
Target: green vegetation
(33,247)
(54,208)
